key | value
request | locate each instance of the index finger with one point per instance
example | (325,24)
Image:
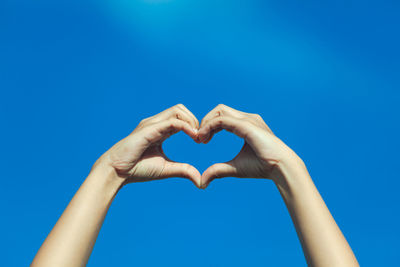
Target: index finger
(241,128)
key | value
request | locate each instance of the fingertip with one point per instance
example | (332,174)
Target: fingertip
(191,132)
(205,179)
(204,186)
(194,175)
(201,133)
(196,137)
(197,184)
(194,180)
(206,183)
(204,138)
(200,138)
(197,123)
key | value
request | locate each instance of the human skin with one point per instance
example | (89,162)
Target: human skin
(136,158)
(265,156)
(139,157)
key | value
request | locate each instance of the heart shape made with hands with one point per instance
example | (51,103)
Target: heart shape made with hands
(219,148)
(140,157)
(149,162)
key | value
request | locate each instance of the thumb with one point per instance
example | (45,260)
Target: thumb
(183,170)
(218,170)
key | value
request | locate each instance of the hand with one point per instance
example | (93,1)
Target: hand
(140,157)
(262,150)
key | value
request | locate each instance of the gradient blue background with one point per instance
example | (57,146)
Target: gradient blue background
(77,76)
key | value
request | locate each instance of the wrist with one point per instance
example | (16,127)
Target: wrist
(291,175)
(104,176)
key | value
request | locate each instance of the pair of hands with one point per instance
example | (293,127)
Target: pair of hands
(139,157)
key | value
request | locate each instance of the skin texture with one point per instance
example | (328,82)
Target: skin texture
(139,157)
(265,156)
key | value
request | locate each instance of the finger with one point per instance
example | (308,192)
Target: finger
(175,112)
(218,170)
(219,110)
(190,114)
(160,131)
(239,127)
(223,110)
(210,135)
(183,170)
(194,122)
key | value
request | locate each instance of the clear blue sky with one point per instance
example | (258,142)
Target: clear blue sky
(77,76)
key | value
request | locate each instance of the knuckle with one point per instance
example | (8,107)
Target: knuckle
(257,116)
(177,115)
(143,121)
(221,106)
(174,108)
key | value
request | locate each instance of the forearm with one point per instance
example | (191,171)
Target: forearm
(322,241)
(72,239)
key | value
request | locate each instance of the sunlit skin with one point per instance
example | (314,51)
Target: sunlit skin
(139,157)
(260,154)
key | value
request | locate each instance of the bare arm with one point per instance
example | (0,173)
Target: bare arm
(322,241)
(137,158)
(266,156)
(72,239)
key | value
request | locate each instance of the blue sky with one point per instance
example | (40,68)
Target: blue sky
(77,76)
